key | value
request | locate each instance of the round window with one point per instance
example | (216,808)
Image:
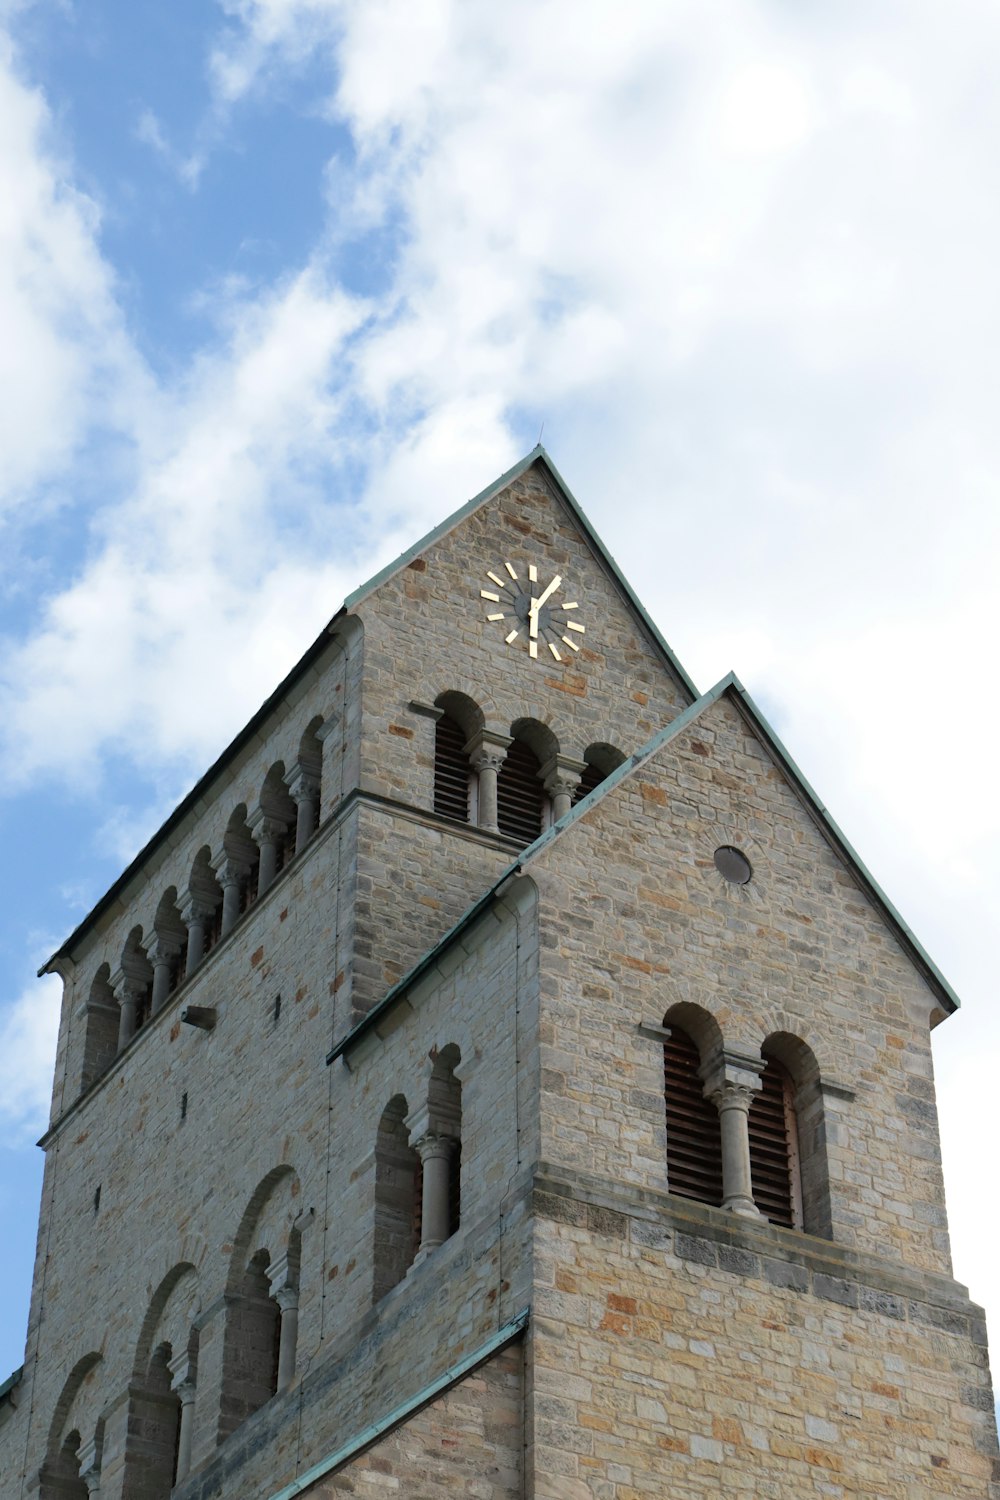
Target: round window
(732,865)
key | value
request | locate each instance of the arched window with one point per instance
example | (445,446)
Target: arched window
(441,1177)
(60,1476)
(101,1035)
(152,1439)
(694,1139)
(774,1148)
(254,1339)
(520,794)
(451,770)
(397,1198)
(460,724)
(601,760)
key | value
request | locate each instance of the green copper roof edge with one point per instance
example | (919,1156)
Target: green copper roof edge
(904,932)
(730,683)
(375,1430)
(537,453)
(12,1380)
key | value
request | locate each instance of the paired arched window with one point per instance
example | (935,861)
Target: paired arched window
(777,1172)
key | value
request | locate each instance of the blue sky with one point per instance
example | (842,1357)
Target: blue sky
(282,282)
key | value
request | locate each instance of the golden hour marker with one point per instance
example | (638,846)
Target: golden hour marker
(572,625)
(498,581)
(511,637)
(533,649)
(574,605)
(570,643)
(532,573)
(495,617)
(485,594)
(510,570)
(555,651)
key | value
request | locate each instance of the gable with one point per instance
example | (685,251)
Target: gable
(539,460)
(451,620)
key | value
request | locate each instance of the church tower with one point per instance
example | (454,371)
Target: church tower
(499,1077)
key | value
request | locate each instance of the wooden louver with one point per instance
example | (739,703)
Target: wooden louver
(773,1148)
(520,794)
(451,771)
(694,1139)
(591,778)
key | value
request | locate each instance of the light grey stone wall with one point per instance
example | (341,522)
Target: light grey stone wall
(799,950)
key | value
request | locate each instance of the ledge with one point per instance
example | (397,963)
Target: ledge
(786,1258)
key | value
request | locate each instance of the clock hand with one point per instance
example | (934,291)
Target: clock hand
(557,580)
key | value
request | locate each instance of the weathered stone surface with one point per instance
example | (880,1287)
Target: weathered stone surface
(673,1348)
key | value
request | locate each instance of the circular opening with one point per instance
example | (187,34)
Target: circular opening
(732,865)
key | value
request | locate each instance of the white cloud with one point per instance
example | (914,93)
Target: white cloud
(65,360)
(28,1030)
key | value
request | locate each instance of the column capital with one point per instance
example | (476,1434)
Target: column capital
(429,1120)
(435,1147)
(281,1277)
(128,986)
(183,1372)
(265,828)
(487,750)
(731,1078)
(89,1458)
(230,871)
(303,782)
(164,948)
(196,906)
(563,768)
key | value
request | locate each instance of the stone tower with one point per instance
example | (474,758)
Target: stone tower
(498,1077)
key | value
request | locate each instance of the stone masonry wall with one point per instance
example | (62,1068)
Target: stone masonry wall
(800,950)
(468,1442)
(669,1360)
(189,1129)
(426,633)
(321,693)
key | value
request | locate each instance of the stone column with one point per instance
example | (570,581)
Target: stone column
(89,1458)
(162,954)
(182,1383)
(268,833)
(731,1083)
(230,873)
(196,912)
(561,777)
(303,788)
(285,1291)
(129,993)
(487,752)
(435,1153)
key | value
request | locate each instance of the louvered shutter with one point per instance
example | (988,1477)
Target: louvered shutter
(455,1188)
(451,771)
(774,1148)
(694,1138)
(591,778)
(520,794)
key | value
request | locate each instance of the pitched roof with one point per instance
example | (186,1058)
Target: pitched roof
(249,730)
(730,684)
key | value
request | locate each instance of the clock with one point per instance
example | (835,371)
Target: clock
(534,615)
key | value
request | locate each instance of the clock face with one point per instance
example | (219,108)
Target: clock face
(532,610)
